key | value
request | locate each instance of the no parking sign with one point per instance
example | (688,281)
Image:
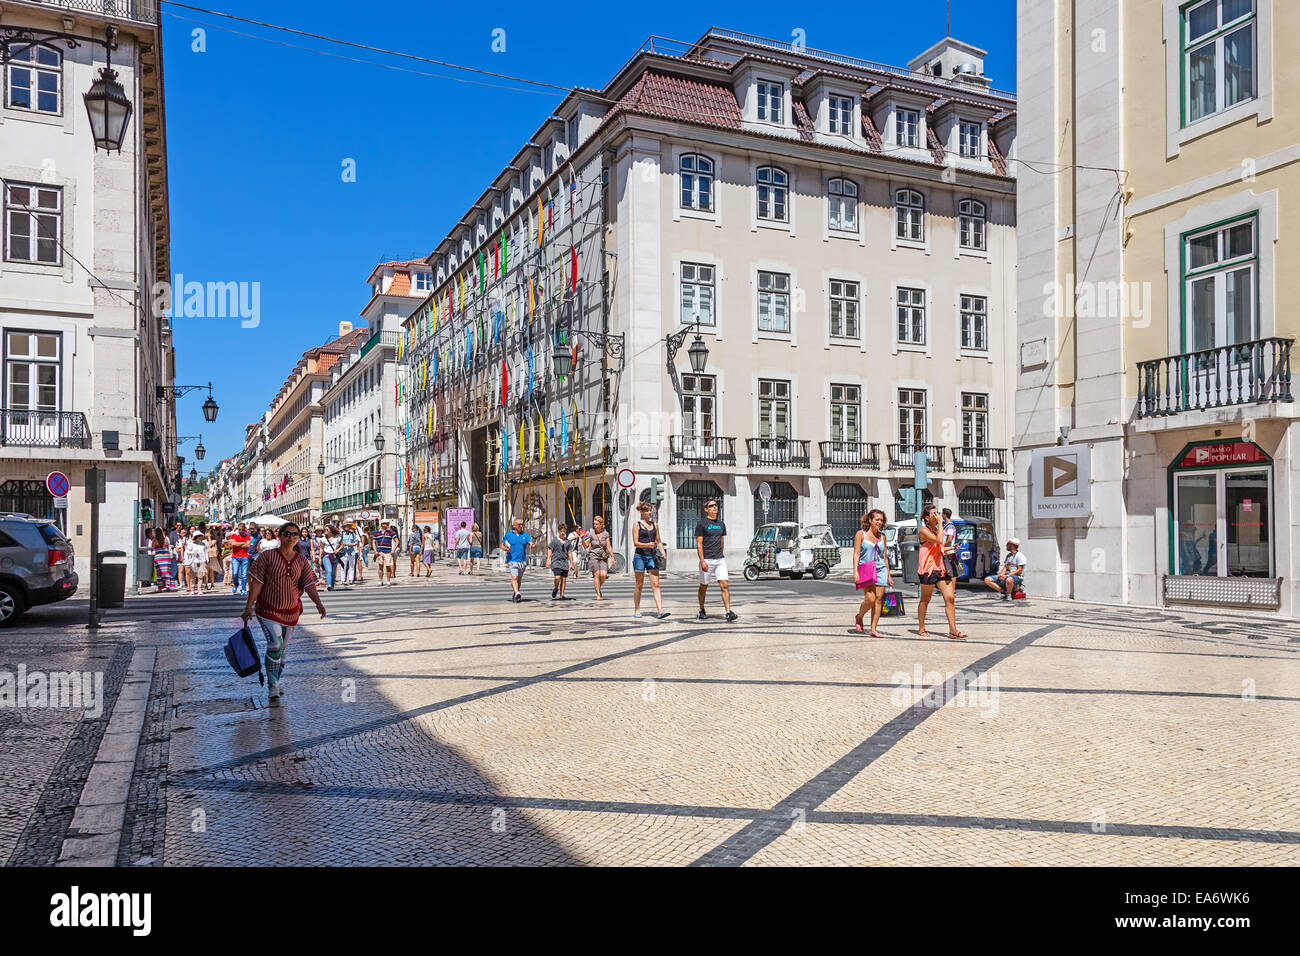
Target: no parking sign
(56,483)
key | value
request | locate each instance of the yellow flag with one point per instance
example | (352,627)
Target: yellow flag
(530,300)
(540,220)
(541,439)
(522,446)
(430,419)
(435,313)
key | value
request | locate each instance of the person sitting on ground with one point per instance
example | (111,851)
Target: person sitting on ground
(1012,574)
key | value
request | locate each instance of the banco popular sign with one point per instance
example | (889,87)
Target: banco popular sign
(1061,478)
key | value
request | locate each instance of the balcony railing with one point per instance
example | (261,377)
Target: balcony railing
(387,338)
(43,429)
(992,460)
(688,448)
(1243,374)
(790,452)
(145,11)
(849,454)
(902,457)
(355,500)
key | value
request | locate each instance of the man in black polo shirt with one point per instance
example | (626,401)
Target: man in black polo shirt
(709,535)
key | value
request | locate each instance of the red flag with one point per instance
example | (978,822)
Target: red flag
(503,381)
(573,270)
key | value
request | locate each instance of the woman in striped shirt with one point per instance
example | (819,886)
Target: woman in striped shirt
(276,582)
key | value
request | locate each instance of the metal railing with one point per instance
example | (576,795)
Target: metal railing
(1242,374)
(35,429)
(904,456)
(979,459)
(688,448)
(353,500)
(145,11)
(791,452)
(387,338)
(849,454)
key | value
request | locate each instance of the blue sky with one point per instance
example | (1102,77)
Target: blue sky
(258,133)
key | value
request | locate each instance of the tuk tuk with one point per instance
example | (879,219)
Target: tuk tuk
(792,551)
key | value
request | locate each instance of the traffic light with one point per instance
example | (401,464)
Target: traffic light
(656,490)
(921,475)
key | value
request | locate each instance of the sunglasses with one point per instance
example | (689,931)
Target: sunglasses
(290,534)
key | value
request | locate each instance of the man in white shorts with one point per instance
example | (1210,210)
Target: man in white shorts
(709,535)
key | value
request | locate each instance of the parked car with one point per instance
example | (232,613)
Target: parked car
(36,565)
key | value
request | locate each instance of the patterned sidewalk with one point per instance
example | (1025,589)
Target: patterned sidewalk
(492,733)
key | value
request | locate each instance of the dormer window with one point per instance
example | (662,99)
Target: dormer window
(968,139)
(907,127)
(839,115)
(423,282)
(771,102)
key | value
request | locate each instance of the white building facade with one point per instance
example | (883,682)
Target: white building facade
(85,238)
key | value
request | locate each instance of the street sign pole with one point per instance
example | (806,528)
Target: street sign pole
(94,496)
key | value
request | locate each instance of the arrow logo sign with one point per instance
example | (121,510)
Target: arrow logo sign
(1061,476)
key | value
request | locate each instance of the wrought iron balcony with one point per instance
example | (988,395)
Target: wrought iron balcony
(790,452)
(990,460)
(1247,373)
(145,11)
(356,500)
(688,448)
(850,454)
(903,457)
(36,429)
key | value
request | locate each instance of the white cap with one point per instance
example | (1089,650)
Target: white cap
(1015,541)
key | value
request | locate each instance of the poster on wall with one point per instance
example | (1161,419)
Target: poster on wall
(423,518)
(1061,476)
(454,517)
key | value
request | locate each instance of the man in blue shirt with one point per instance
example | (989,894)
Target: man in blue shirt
(517,542)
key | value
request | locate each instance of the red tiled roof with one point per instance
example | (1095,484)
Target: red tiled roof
(870,133)
(403,264)
(803,122)
(937,149)
(401,284)
(679,98)
(996,158)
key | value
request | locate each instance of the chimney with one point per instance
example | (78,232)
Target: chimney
(344,328)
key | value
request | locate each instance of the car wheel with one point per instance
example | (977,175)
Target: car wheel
(751,573)
(820,572)
(11,605)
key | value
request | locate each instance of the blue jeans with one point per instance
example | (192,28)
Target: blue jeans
(239,574)
(327,562)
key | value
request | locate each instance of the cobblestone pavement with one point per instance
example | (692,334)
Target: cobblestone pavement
(436,723)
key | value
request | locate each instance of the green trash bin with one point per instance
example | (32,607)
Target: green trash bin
(111,583)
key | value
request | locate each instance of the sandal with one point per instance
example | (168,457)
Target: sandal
(857,626)
(875,634)
(957,636)
(922,633)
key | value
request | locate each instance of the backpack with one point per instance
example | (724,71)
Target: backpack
(241,652)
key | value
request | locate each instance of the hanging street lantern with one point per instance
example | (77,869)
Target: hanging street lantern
(562,359)
(698,354)
(107,104)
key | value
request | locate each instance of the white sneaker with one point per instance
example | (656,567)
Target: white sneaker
(273,692)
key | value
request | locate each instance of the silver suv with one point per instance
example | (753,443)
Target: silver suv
(36,565)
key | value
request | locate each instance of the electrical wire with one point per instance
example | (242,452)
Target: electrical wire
(68,252)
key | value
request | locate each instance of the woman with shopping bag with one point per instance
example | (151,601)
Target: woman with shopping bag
(873,572)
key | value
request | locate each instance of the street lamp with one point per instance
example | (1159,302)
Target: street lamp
(379,441)
(194,474)
(209,407)
(562,359)
(320,469)
(107,104)
(698,352)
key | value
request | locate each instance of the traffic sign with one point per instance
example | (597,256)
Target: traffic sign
(765,491)
(57,484)
(626,477)
(62,502)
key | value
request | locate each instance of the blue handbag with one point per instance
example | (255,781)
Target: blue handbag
(241,653)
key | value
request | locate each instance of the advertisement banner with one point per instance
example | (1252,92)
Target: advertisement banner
(426,517)
(1061,480)
(454,517)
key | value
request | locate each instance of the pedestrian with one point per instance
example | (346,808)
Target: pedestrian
(710,534)
(598,554)
(351,544)
(162,562)
(385,542)
(475,548)
(462,549)
(196,561)
(214,560)
(950,546)
(557,556)
(517,542)
(176,541)
(933,573)
(415,547)
(1012,575)
(279,578)
(239,542)
(367,542)
(427,542)
(330,556)
(269,541)
(646,559)
(872,549)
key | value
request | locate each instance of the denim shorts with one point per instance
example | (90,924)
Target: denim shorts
(462,553)
(476,552)
(645,562)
